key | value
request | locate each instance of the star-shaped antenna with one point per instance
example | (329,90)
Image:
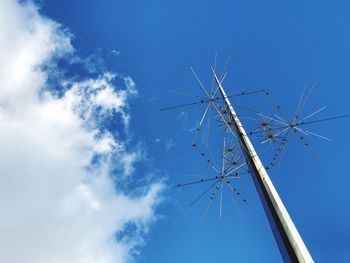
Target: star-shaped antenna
(233,167)
(278,129)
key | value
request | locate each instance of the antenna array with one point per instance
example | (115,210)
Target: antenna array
(239,158)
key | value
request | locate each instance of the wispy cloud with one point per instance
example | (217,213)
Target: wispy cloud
(169,144)
(58,199)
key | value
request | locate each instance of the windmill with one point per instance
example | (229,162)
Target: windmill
(274,130)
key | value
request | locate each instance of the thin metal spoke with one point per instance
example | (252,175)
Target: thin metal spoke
(221,81)
(326,119)
(276,107)
(200,84)
(233,190)
(194,77)
(240,91)
(246,109)
(233,201)
(281,119)
(213,80)
(203,193)
(200,124)
(245,93)
(223,160)
(317,135)
(272,129)
(309,147)
(211,99)
(211,163)
(208,130)
(312,114)
(218,82)
(236,175)
(273,137)
(203,117)
(248,118)
(261,135)
(272,144)
(273,119)
(228,62)
(297,115)
(212,157)
(235,169)
(265,140)
(221,199)
(282,145)
(228,169)
(232,160)
(198,181)
(278,133)
(301,130)
(184,105)
(265,116)
(280,157)
(209,203)
(223,77)
(222,117)
(239,94)
(301,98)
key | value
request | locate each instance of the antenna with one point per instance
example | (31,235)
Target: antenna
(278,129)
(233,167)
(240,158)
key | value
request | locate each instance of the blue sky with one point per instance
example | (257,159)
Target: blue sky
(278,46)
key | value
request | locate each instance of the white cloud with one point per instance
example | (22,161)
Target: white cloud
(169,144)
(115,52)
(57,203)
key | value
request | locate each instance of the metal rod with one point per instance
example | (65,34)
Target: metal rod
(290,243)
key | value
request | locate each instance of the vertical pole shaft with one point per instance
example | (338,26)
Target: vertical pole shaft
(289,242)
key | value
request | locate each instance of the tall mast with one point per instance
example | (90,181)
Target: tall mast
(289,242)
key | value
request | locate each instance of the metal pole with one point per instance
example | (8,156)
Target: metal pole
(289,242)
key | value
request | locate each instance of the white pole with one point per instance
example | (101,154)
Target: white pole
(290,243)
